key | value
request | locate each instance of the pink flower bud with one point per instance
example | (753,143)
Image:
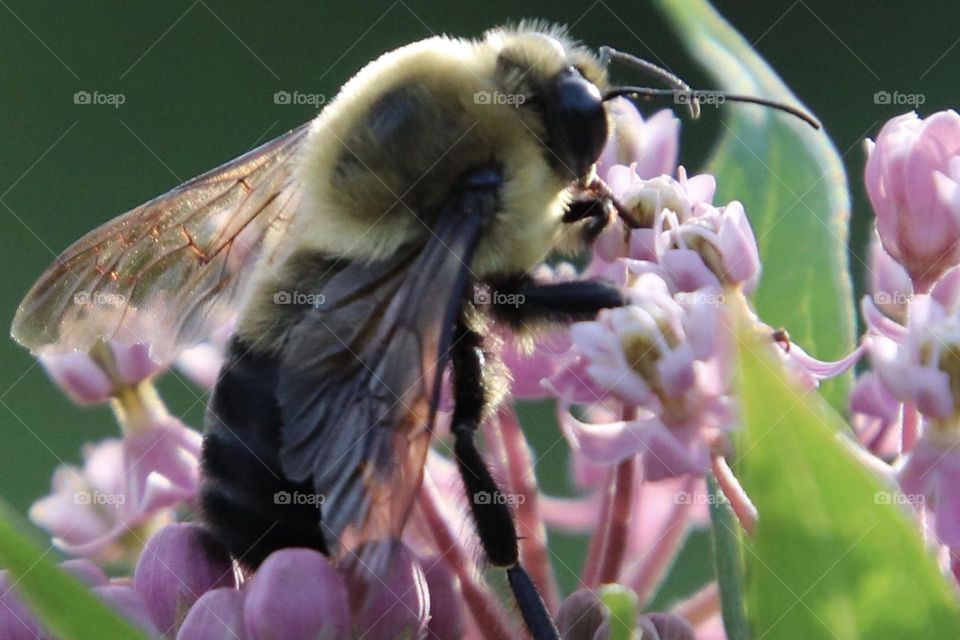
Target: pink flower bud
(128,603)
(447,615)
(85,571)
(391,603)
(16,620)
(670,627)
(296,594)
(179,564)
(85,381)
(217,615)
(912,177)
(581,615)
(650,144)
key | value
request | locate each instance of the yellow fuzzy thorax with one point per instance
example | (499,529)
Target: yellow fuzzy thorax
(368,206)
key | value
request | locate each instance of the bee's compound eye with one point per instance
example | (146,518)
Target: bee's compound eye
(581,118)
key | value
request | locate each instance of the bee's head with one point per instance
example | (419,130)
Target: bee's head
(557,87)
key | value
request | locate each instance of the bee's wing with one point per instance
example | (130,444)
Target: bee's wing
(172,270)
(360,378)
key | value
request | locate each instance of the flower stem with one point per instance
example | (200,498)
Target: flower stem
(608,545)
(136,407)
(590,576)
(701,606)
(910,427)
(668,539)
(740,502)
(616,538)
(491,620)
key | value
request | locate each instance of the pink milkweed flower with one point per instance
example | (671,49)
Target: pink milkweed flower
(875,416)
(648,145)
(913,181)
(891,290)
(889,284)
(123,484)
(528,361)
(923,366)
(724,241)
(648,198)
(202,363)
(87,380)
(661,204)
(667,362)
(930,476)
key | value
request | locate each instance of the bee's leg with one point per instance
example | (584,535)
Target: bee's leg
(491,513)
(592,211)
(519,301)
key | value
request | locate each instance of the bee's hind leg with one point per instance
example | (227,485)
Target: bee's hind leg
(491,513)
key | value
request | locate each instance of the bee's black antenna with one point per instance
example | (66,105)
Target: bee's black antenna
(655,71)
(681,90)
(695,97)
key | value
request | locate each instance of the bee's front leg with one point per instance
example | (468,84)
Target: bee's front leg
(592,212)
(521,300)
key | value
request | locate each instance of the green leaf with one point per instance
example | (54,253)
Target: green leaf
(622,604)
(65,606)
(728,560)
(832,558)
(792,184)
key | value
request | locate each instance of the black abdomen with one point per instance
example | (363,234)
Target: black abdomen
(247,503)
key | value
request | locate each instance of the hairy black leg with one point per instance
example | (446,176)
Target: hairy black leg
(491,514)
(593,210)
(586,205)
(522,299)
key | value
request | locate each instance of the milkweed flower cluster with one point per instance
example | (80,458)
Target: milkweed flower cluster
(907,409)
(644,396)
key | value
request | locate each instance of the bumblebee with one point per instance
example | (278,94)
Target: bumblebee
(348,251)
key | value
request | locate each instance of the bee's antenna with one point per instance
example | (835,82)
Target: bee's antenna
(681,89)
(654,71)
(694,97)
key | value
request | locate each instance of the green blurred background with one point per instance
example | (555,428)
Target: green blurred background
(198,78)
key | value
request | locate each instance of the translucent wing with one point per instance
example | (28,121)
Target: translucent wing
(360,377)
(171,271)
